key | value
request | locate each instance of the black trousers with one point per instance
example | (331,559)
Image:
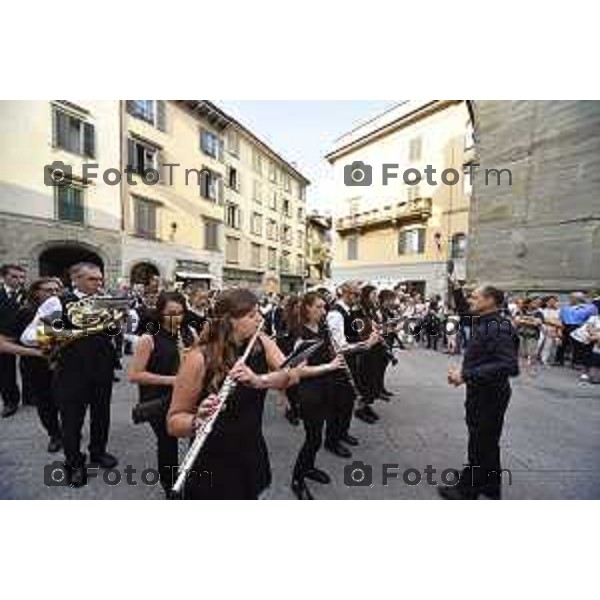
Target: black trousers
(313,428)
(577,349)
(39,377)
(75,391)
(8,380)
(485,408)
(167,455)
(341,405)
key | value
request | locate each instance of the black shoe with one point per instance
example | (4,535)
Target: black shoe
(363,415)
(54,445)
(455,492)
(384,398)
(349,439)
(292,416)
(77,476)
(116,379)
(337,449)
(318,476)
(385,392)
(301,490)
(104,461)
(9,410)
(371,412)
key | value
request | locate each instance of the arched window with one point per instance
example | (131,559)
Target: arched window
(459,245)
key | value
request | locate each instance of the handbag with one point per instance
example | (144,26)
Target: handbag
(151,410)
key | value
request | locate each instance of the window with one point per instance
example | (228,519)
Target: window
(415,148)
(73,134)
(272,258)
(211,186)
(299,265)
(469,136)
(300,238)
(233,179)
(413,192)
(233,216)
(287,211)
(151,111)
(273,200)
(211,234)
(411,241)
(287,235)
(256,224)
(459,246)
(211,144)
(353,247)
(467,181)
(233,142)
(272,172)
(285,261)
(256,255)
(257,161)
(287,182)
(145,218)
(272,230)
(232,250)
(300,213)
(302,192)
(141,156)
(69,203)
(257,192)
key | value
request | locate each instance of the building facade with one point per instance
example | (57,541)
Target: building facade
(404,231)
(541,231)
(190,196)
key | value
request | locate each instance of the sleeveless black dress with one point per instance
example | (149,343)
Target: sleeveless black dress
(234,462)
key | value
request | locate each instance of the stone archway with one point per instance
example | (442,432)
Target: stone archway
(56,259)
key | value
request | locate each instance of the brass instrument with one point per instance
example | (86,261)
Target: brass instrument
(91,315)
(204,430)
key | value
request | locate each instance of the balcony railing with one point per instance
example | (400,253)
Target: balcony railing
(418,209)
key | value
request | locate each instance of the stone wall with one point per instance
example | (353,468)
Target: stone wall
(543,231)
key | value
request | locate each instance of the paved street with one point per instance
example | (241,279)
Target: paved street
(551,442)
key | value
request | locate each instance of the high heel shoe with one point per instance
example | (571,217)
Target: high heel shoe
(301,490)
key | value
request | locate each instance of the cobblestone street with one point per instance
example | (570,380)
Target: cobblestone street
(550,443)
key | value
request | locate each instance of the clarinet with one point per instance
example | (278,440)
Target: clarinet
(346,367)
(204,430)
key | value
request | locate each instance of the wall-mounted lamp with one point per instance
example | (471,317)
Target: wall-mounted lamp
(437,236)
(173,230)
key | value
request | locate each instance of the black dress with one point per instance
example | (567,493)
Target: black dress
(164,360)
(234,462)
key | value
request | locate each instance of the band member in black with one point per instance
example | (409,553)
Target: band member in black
(315,391)
(389,332)
(285,338)
(490,359)
(344,337)
(83,376)
(11,293)
(234,462)
(35,368)
(154,366)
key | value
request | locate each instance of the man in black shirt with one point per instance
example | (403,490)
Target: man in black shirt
(11,291)
(490,359)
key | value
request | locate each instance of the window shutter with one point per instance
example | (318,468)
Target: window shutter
(421,241)
(130,155)
(402,242)
(131,107)
(61,133)
(161,115)
(89,140)
(220,191)
(203,140)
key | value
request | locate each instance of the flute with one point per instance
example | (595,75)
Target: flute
(204,430)
(345,365)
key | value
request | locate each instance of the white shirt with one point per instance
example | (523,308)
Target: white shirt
(335,322)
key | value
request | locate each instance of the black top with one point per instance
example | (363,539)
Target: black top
(349,330)
(164,360)
(9,307)
(491,354)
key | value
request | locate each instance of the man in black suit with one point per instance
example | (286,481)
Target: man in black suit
(11,292)
(489,360)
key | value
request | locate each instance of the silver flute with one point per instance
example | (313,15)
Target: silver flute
(345,364)
(206,427)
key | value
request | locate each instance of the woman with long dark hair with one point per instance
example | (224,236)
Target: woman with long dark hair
(234,462)
(154,365)
(313,391)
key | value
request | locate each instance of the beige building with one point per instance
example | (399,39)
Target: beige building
(394,230)
(174,188)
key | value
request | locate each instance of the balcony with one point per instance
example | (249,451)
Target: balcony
(418,209)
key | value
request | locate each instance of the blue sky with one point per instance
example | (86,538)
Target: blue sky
(303,131)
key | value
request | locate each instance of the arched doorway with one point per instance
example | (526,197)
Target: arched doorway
(57,260)
(143,272)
